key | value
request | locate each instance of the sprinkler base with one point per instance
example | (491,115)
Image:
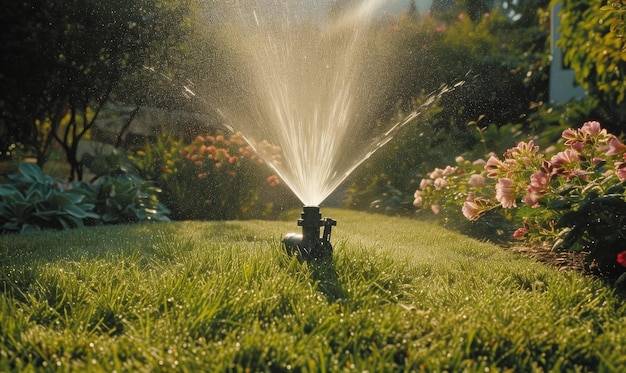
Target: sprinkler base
(309,244)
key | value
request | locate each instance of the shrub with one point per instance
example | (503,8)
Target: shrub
(213,177)
(574,199)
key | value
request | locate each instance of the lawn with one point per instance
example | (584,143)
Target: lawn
(398,295)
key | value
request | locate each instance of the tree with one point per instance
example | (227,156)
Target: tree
(62,61)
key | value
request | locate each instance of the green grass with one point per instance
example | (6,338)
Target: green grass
(399,295)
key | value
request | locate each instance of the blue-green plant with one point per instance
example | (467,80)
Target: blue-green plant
(32,201)
(126,198)
(119,194)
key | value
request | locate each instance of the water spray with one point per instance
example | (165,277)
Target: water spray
(309,244)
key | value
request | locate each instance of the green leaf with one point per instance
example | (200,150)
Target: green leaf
(75,211)
(109,218)
(29,228)
(32,171)
(559,204)
(616,189)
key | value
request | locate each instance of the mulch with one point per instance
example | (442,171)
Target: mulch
(571,261)
(563,260)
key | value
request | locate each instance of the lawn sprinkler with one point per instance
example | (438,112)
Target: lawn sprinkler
(309,244)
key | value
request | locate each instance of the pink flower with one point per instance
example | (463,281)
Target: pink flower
(539,180)
(532,197)
(577,146)
(505,193)
(493,167)
(440,183)
(479,162)
(615,147)
(536,189)
(570,135)
(620,170)
(425,183)
(437,173)
(592,128)
(476,181)
(419,200)
(523,149)
(568,156)
(435,209)
(621,258)
(449,171)
(273,180)
(520,233)
(470,209)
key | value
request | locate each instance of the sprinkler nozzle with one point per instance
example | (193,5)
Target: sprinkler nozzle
(309,244)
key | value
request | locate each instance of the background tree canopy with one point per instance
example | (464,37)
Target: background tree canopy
(62,61)
(592,41)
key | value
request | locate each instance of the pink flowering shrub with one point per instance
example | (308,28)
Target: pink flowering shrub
(573,199)
(445,190)
(214,177)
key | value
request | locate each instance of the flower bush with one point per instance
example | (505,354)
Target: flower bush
(215,177)
(573,199)
(445,191)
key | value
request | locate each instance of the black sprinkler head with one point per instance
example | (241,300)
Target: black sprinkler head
(309,244)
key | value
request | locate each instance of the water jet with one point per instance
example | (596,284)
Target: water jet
(309,90)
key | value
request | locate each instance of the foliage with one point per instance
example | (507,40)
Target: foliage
(125,198)
(120,195)
(590,48)
(33,201)
(399,295)
(112,164)
(213,177)
(574,199)
(617,10)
